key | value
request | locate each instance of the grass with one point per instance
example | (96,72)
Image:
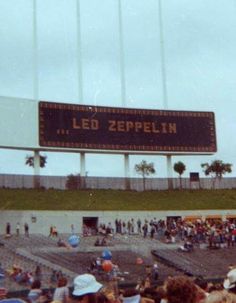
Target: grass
(29,199)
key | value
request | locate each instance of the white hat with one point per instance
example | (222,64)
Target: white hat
(230,281)
(85,284)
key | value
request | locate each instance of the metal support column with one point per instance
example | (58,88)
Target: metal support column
(36,169)
(169,172)
(82,170)
(127,172)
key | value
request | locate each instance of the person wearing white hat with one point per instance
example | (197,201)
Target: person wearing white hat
(85,288)
(230,281)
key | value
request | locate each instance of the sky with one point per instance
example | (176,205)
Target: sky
(199,48)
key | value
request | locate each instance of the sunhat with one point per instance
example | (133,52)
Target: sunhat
(230,281)
(85,284)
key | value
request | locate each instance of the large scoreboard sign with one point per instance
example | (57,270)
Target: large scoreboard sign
(124,129)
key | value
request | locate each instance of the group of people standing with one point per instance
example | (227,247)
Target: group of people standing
(18,229)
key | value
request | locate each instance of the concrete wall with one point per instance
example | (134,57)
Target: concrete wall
(59,182)
(63,219)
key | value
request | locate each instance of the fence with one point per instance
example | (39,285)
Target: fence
(137,184)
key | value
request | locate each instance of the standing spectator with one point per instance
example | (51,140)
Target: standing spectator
(132,226)
(139,223)
(152,231)
(17,229)
(61,293)
(26,227)
(72,229)
(8,230)
(145,229)
(129,225)
(124,231)
(117,225)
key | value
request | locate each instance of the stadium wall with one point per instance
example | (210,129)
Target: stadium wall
(40,221)
(59,182)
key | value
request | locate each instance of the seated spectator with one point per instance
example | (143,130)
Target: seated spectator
(61,293)
(53,277)
(131,295)
(97,242)
(3,293)
(221,297)
(230,281)
(104,241)
(38,273)
(202,283)
(86,288)
(61,243)
(35,292)
(54,231)
(14,271)
(181,289)
(2,272)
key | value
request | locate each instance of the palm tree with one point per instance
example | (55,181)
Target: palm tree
(29,160)
(216,169)
(145,169)
(179,167)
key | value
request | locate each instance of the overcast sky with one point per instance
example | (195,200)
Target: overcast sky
(200,48)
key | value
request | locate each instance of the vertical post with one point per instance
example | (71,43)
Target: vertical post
(162,51)
(164,86)
(35,89)
(35,53)
(169,172)
(123,86)
(82,170)
(82,183)
(36,169)
(127,172)
(122,60)
(79,54)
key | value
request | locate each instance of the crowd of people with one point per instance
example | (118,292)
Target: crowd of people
(216,233)
(177,289)
(9,231)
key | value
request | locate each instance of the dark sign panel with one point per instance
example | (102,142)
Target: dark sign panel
(124,129)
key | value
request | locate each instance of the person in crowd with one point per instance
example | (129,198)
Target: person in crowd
(38,273)
(26,227)
(35,292)
(202,283)
(222,296)
(8,230)
(61,293)
(17,229)
(62,243)
(86,289)
(132,295)
(181,289)
(230,281)
(155,271)
(72,227)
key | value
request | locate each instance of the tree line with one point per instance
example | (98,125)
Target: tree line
(216,169)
